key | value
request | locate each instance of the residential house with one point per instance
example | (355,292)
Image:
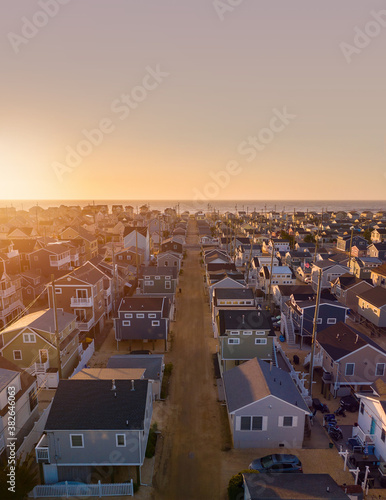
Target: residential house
(346,289)
(297,317)
(158,281)
(362,267)
(297,487)
(11,298)
(169,259)
(344,242)
(371,420)
(50,260)
(245,253)
(90,240)
(329,272)
(378,235)
(377,250)
(81,292)
(172,245)
(298,258)
(32,344)
(142,319)
(18,386)
(243,335)
(265,409)
(153,367)
(281,275)
(282,293)
(33,285)
(131,256)
(95,423)
(232,298)
(349,358)
(378,276)
(137,237)
(372,306)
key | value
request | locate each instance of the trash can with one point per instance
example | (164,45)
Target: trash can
(330,445)
(296,359)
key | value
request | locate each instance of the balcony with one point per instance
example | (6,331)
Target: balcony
(82,302)
(13,307)
(8,291)
(60,262)
(85,327)
(107,292)
(42,451)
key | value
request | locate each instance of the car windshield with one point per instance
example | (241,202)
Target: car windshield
(267,461)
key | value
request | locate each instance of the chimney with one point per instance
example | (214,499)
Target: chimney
(132,385)
(243,320)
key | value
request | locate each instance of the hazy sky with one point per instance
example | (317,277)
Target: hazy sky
(263,88)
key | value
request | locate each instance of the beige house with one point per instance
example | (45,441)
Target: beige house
(11,298)
(31,344)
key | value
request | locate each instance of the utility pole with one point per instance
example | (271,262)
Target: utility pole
(57,338)
(270,277)
(314,331)
(136,252)
(114,284)
(349,259)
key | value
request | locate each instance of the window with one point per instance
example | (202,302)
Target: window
(151,315)
(260,341)
(350,367)
(76,441)
(29,338)
(168,284)
(331,321)
(319,321)
(120,439)
(245,424)
(128,315)
(58,291)
(288,421)
(233,341)
(126,322)
(247,332)
(257,423)
(362,410)
(149,283)
(383,435)
(146,277)
(140,315)
(235,333)
(380,369)
(17,355)
(157,277)
(155,323)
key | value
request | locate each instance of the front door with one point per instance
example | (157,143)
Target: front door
(372,427)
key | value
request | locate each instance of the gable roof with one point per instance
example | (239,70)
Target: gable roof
(42,320)
(87,272)
(339,340)
(244,319)
(375,296)
(142,303)
(255,380)
(234,293)
(380,270)
(92,404)
(151,363)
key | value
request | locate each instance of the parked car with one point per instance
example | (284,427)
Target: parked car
(349,403)
(277,463)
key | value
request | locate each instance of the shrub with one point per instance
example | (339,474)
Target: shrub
(235,486)
(152,441)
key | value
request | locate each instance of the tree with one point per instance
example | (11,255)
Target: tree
(309,238)
(367,236)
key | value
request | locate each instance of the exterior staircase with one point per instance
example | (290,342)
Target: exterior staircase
(288,329)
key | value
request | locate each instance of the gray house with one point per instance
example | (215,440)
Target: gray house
(94,423)
(265,409)
(372,306)
(158,280)
(143,318)
(245,334)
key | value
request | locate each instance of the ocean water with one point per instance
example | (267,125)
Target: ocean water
(219,205)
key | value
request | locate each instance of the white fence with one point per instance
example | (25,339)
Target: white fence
(297,377)
(29,441)
(86,356)
(67,490)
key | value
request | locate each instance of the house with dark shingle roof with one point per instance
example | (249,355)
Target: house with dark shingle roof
(95,423)
(372,306)
(265,408)
(346,289)
(378,276)
(350,358)
(143,318)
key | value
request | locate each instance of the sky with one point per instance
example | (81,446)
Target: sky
(192,99)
